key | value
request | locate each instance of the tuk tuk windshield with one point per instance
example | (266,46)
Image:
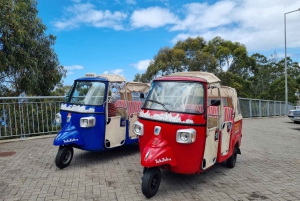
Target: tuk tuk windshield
(176,96)
(87,93)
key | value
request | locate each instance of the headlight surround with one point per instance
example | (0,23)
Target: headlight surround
(186,136)
(138,128)
(86,122)
(58,118)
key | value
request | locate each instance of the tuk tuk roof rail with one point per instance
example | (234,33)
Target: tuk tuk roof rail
(209,77)
(113,77)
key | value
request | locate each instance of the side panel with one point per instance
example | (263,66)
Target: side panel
(93,138)
(132,120)
(187,156)
(115,132)
(211,148)
(235,138)
(225,138)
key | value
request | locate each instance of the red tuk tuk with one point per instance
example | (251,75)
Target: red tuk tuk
(187,123)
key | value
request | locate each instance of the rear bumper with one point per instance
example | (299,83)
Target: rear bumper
(294,118)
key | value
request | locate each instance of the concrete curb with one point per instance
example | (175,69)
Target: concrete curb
(27,138)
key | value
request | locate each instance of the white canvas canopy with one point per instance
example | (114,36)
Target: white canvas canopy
(137,87)
(113,77)
(209,77)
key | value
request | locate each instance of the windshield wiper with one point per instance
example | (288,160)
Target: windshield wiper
(154,101)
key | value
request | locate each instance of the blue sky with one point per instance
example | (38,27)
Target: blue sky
(123,36)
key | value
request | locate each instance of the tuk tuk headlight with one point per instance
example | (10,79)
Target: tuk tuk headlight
(58,118)
(186,136)
(86,122)
(138,128)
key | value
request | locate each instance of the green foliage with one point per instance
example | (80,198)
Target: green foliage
(61,90)
(277,89)
(253,76)
(28,63)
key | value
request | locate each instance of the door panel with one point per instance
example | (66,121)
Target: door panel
(115,133)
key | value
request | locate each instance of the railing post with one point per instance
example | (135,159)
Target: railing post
(268,108)
(259,108)
(250,108)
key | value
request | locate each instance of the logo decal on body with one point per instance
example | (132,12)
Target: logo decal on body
(70,140)
(166,159)
(76,108)
(165,117)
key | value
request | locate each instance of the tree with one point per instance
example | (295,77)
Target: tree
(253,77)
(195,54)
(231,56)
(137,77)
(241,85)
(28,63)
(277,90)
(61,90)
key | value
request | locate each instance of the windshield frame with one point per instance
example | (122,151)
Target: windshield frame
(70,94)
(166,107)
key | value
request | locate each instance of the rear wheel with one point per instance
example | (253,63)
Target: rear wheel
(64,156)
(231,161)
(151,181)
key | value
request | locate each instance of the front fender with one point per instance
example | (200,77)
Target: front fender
(68,135)
(157,154)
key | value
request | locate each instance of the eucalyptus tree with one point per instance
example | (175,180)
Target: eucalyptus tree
(231,56)
(28,63)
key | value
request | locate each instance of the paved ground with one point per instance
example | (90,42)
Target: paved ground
(268,169)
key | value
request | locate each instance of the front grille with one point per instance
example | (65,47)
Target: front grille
(296,113)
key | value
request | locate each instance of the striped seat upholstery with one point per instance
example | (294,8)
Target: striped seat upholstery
(120,103)
(198,108)
(228,114)
(134,107)
(214,112)
(112,110)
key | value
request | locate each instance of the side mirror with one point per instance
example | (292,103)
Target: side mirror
(142,95)
(215,102)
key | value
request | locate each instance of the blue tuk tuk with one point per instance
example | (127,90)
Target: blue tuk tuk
(97,115)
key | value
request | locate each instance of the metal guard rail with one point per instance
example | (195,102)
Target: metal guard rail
(32,116)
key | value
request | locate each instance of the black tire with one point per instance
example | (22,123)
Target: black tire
(64,156)
(231,161)
(151,181)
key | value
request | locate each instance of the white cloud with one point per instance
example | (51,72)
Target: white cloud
(257,24)
(76,1)
(115,71)
(201,16)
(152,17)
(87,14)
(132,2)
(142,65)
(73,67)
(70,69)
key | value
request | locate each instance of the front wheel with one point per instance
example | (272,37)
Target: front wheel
(64,156)
(151,181)
(231,161)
